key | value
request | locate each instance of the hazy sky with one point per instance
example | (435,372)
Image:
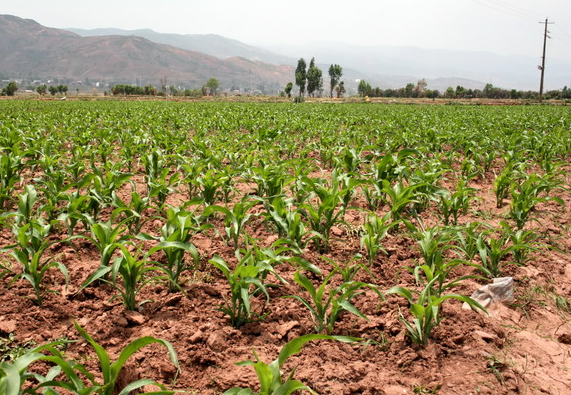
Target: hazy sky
(501,26)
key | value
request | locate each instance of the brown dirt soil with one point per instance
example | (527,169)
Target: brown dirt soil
(521,348)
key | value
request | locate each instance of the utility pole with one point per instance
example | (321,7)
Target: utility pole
(542,67)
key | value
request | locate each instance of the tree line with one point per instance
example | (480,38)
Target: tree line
(419,90)
(311,78)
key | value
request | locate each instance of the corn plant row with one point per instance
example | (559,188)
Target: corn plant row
(105,173)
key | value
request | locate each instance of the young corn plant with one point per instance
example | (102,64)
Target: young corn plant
(16,378)
(26,203)
(425,309)
(393,167)
(376,228)
(271,380)
(327,303)
(110,371)
(456,204)
(424,274)
(291,229)
(348,270)
(398,199)
(492,250)
(103,184)
(108,237)
(133,270)
(466,238)
(75,212)
(433,242)
(234,220)
(245,283)
(190,174)
(32,244)
(159,183)
(327,210)
(11,167)
(502,185)
(54,188)
(210,186)
(174,242)
(270,179)
(134,211)
(523,243)
(526,197)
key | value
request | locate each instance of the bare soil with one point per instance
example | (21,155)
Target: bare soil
(520,348)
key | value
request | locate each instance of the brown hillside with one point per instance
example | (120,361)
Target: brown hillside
(28,49)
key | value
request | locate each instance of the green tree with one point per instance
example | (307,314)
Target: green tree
(335,74)
(42,89)
(301,76)
(461,92)
(450,94)
(340,89)
(314,78)
(409,89)
(212,86)
(364,89)
(150,90)
(53,90)
(288,89)
(10,89)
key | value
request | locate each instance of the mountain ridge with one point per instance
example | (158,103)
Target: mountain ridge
(28,48)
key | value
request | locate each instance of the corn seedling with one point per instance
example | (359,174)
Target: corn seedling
(16,378)
(11,166)
(425,310)
(326,303)
(270,179)
(210,186)
(234,220)
(398,198)
(376,228)
(174,241)
(492,251)
(502,184)
(327,211)
(107,237)
(457,203)
(29,251)
(523,243)
(75,211)
(291,229)
(526,197)
(245,282)
(466,239)
(270,377)
(133,269)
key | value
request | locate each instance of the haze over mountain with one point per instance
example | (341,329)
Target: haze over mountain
(383,63)
(223,47)
(30,50)
(384,66)
(209,44)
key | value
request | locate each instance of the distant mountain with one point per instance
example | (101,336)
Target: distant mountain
(384,63)
(375,72)
(29,49)
(209,44)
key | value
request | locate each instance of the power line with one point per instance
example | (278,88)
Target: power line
(564,31)
(518,9)
(502,10)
